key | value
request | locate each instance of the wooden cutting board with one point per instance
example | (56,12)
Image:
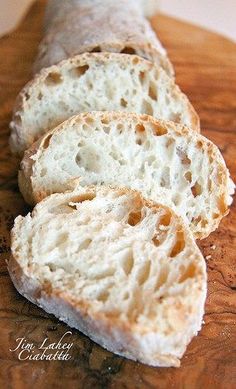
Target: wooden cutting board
(205,65)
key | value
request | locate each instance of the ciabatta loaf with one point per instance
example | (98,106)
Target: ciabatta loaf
(79,26)
(123,270)
(96,82)
(166,162)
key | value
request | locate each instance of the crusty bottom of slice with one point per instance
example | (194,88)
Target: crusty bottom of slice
(123,270)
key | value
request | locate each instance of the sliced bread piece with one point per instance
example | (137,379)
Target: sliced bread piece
(166,162)
(90,82)
(79,26)
(123,270)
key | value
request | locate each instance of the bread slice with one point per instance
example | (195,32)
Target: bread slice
(166,162)
(91,82)
(79,26)
(123,270)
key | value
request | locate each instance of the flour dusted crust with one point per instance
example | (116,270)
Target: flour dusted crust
(168,163)
(96,82)
(56,9)
(75,27)
(133,280)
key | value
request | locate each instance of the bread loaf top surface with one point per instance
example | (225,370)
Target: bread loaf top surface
(75,27)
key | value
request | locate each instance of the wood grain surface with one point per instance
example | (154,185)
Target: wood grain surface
(205,65)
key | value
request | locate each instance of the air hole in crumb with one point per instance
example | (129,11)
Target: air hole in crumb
(96,49)
(169,142)
(106,129)
(128,264)
(183,156)
(128,50)
(40,96)
(199,144)
(156,241)
(165,180)
(215,215)
(104,121)
(196,189)
(123,102)
(162,277)
(188,177)
(61,209)
(196,220)
(61,239)
(165,220)
(158,130)
(103,296)
(175,117)
(141,76)
(85,244)
(144,273)
(52,267)
(139,141)
(188,273)
(135,60)
(211,159)
(176,199)
(27,96)
(72,206)
(134,218)
(147,108)
(53,78)
(152,92)
(43,172)
(80,199)
(89,120)
(140,127)
(46,142)
(126,296)
(81,70)
(120,128)
(204,223)
(145,117)
(78,159)
(179,245)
